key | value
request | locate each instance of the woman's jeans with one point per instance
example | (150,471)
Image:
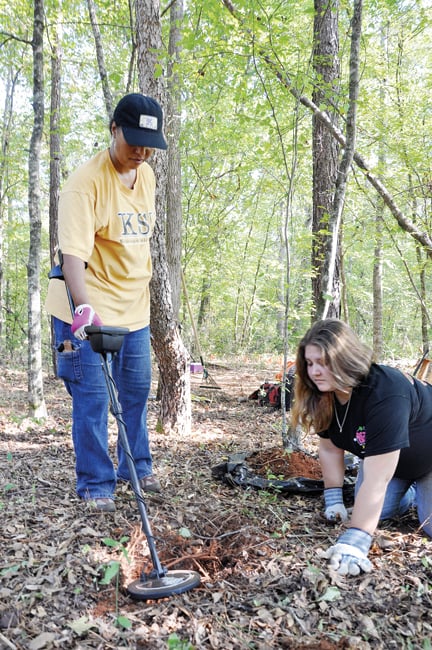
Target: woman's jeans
(402,494)
(84,378)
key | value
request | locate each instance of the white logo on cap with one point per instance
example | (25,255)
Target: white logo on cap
(148,122)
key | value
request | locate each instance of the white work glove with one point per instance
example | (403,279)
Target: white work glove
(334,505)
(349,555)
(84,315)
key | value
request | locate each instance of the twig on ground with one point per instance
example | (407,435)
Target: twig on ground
(7,643)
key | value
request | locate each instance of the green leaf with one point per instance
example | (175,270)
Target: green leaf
(185,532)
(108,541)
(110,571)
(124,622)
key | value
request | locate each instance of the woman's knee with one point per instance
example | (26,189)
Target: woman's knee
(424,503)
(400,497)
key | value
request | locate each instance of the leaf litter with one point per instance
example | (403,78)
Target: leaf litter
(262,583)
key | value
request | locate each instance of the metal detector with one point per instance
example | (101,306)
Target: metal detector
(158,583)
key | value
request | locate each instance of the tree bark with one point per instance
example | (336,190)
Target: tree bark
(54,145)
(325,151)
(171,354)
(334,254)
(132,23)
(174,223)
(35,383)
(425,320)
(100,57)
(4,147)
(378,343)
(55,155)
(377,274)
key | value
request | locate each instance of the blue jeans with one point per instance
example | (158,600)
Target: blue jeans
(82,372)
(402,494)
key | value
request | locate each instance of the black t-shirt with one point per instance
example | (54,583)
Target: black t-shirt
(388,411)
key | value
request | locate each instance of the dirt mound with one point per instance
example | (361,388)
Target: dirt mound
(284,464)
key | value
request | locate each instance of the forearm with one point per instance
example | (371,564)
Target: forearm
(377,473)
(349,555)
(74,274)
(84,313)
(332,465)
(367,507)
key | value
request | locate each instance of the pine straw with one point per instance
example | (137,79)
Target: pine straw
(262,583)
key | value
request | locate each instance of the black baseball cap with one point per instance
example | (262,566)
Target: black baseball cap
(141,119)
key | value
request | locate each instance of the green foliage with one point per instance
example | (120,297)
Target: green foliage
(246,159)
(175,643)
(232,245)
(111,571)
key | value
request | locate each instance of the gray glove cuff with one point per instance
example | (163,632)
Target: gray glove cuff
(333,496)
(358,538)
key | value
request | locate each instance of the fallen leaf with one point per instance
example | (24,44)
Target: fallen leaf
(82,625)
(41,641)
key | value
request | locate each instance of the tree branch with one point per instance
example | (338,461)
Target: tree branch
(404,222)
(12,37)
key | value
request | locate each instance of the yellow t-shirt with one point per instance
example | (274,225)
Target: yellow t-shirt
(108,226)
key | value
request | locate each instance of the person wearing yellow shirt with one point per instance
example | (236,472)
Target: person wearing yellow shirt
(105,221)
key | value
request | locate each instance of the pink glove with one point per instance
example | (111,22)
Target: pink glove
(84,315)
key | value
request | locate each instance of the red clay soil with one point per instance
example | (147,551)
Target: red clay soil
(284,464)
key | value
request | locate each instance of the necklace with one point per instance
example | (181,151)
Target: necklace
(339,423)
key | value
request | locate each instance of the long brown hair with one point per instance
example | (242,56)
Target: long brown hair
(344,354)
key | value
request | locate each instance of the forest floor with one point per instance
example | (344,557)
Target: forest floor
(64,571)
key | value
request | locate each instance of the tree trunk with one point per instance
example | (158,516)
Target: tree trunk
(325,152)
(174,190)
(35,383)
(285,279)
(204,304)
(377,330)
(4,146)
(378,343)
(131,66)
(425,321)
(54,144)
(327,235)
(100,57)
(171,355)
(55,154)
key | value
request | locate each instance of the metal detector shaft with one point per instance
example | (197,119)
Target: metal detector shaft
(116,410)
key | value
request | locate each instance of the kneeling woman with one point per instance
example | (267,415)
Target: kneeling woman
(376,412)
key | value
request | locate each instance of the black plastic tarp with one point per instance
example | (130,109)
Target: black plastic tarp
(235,472)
